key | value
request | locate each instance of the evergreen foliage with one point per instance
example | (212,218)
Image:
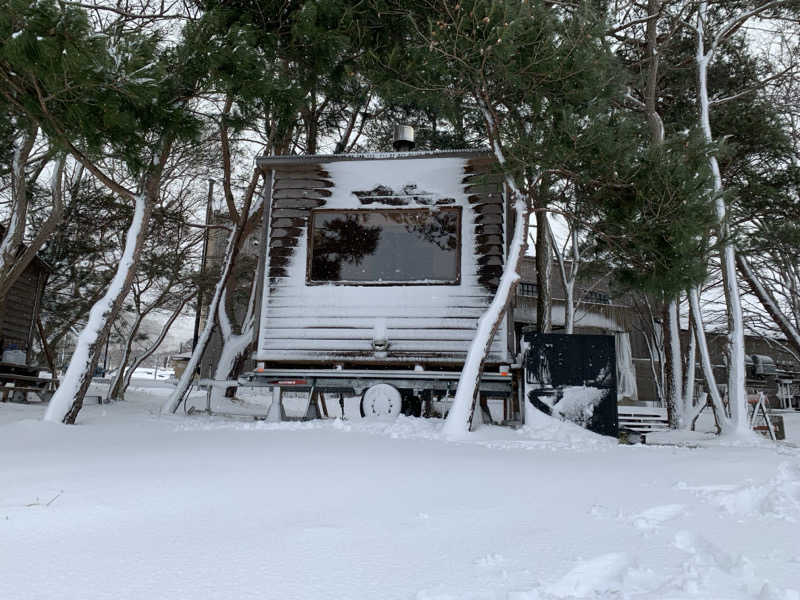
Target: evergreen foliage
(543,71)
(654,226)
(289,65)
(113,95)
(82,255)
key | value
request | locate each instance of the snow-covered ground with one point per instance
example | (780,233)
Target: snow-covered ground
(159,373)
(132,505)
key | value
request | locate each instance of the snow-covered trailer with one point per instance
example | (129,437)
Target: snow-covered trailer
(376,269)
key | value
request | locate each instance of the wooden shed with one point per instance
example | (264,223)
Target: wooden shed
(21,309)
(380,259)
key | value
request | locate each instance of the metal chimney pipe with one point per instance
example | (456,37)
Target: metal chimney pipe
(403,138)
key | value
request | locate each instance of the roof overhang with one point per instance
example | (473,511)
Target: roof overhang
(266,163)
(37,260)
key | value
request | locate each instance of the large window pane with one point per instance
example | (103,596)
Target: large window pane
(385,246)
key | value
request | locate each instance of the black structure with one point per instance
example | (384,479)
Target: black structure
(574,377)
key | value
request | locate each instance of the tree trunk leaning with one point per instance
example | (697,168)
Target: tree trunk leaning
(68,399)
(137,361)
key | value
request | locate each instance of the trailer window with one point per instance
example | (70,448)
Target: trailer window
(385,246)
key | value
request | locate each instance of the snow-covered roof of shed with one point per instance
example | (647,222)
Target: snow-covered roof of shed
(274,161)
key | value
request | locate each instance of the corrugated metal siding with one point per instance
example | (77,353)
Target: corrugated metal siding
(337,323)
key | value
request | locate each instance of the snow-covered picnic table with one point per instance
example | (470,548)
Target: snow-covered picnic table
(17,380)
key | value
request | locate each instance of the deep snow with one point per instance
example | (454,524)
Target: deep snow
(129,504)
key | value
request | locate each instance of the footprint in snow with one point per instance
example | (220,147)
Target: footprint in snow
(705,555)
(709,571)
(775,498)
(653,518)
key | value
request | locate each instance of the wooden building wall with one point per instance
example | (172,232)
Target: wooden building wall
(21,308)
(591,316)
(717,342)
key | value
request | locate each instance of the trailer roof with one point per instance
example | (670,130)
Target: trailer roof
(266,162)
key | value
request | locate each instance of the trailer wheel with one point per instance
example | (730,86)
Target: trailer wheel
(381,400)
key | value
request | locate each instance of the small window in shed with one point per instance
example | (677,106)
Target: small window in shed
(403,246)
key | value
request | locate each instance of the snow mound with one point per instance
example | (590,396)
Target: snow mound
(709,571)
(777,498)
(706,556)
(578,403)
(600,575)
(560,435)
(541,432)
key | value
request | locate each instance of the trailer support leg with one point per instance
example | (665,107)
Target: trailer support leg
(276,414)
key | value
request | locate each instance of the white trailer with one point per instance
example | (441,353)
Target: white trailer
(376,269)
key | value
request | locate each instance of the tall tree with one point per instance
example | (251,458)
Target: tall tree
(713,26)
(289,74)
(107,100)
(533,79)
(162,281)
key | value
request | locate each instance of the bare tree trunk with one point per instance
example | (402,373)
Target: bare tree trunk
(460,415)
(46,349)
(233,345)
(569,314)
(737,398)
(689,373)
(15,231)
(115,389)
(544,266)
(567,279)
(175,399)
(154,346)
(654,338)
(769,303)
(653,57)
(235,240)
(705,358)
(68,399)
(25,257)
(673,378)
(671,366)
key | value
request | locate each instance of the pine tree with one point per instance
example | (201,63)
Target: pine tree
(115,97)
(535,79)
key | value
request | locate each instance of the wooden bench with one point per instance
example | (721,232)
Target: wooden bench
(642,419)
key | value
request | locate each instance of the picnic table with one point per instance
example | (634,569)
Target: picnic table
(16,380)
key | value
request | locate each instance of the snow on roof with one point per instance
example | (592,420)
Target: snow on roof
(268,161)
